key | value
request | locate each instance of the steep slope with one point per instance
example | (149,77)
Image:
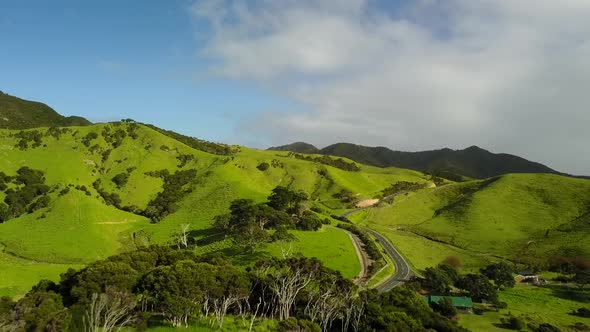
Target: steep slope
(16,113)
(472,162)
(527,218)
(127,165)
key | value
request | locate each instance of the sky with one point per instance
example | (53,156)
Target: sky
(509,76)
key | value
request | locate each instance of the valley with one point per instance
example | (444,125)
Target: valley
(113,188)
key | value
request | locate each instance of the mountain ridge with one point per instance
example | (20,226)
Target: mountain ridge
(471,162)
(18,113)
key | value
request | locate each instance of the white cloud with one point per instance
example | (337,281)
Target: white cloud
(509,75)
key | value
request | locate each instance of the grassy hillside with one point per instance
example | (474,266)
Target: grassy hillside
(527,218)
(79,226)
(16,113)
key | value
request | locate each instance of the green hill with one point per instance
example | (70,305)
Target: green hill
(300,147)
(523,218)
(16,113)
(101,184)
(472,162)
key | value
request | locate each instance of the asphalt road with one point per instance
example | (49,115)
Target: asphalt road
(402,269)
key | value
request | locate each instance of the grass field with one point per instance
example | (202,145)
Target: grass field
(551,305)
(524,217)
(17,275)
(331,245)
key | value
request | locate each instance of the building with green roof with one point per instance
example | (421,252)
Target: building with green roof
(459,302)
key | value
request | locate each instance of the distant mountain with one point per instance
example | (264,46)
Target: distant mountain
(16,113)
(472,162)
(300,147)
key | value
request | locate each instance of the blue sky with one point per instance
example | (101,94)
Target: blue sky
(507,75)
(113,59)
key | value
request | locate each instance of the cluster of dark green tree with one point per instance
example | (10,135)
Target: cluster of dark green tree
(176,186)
(34,138)
(25,192)
(402,187)
(346,196)
(445,279)
(26,137)
(327,160)
(157,286)
(195,143)
(370,246)
(574,269)
(113,137)
(250,224)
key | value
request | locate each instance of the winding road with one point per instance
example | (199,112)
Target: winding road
(403,271)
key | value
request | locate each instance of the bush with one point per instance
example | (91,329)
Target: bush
(120,180)
(545,327)
(309,222)
(88,138)
(579,326)
(513,323)
(263,166)
(176,186)
(582,312)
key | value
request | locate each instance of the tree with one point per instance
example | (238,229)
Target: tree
(284,199)
(436,281)
(109,311)
(582,278)
(178,291)
(479,287)
(5,213)
(120,179)
(181,236)
(500,273)
(42,311)
(444,307)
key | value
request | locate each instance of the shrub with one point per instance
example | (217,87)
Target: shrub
(545,327)
(88,138)
(263,166)
(120,180)
(513,323)
(582,312)
(579,326)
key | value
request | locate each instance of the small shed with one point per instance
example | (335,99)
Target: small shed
(459,302)
(526,276)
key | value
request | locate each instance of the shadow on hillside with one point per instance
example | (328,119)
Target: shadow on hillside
(240,257)
(502,326)
(206,236)
(570,293)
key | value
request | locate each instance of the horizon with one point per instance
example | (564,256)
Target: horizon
(406,75)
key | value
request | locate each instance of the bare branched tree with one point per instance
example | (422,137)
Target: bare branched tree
(182,236)
(109,311)
(286,252)
(221,305)
(286,286)
(324,307)
(254,314)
